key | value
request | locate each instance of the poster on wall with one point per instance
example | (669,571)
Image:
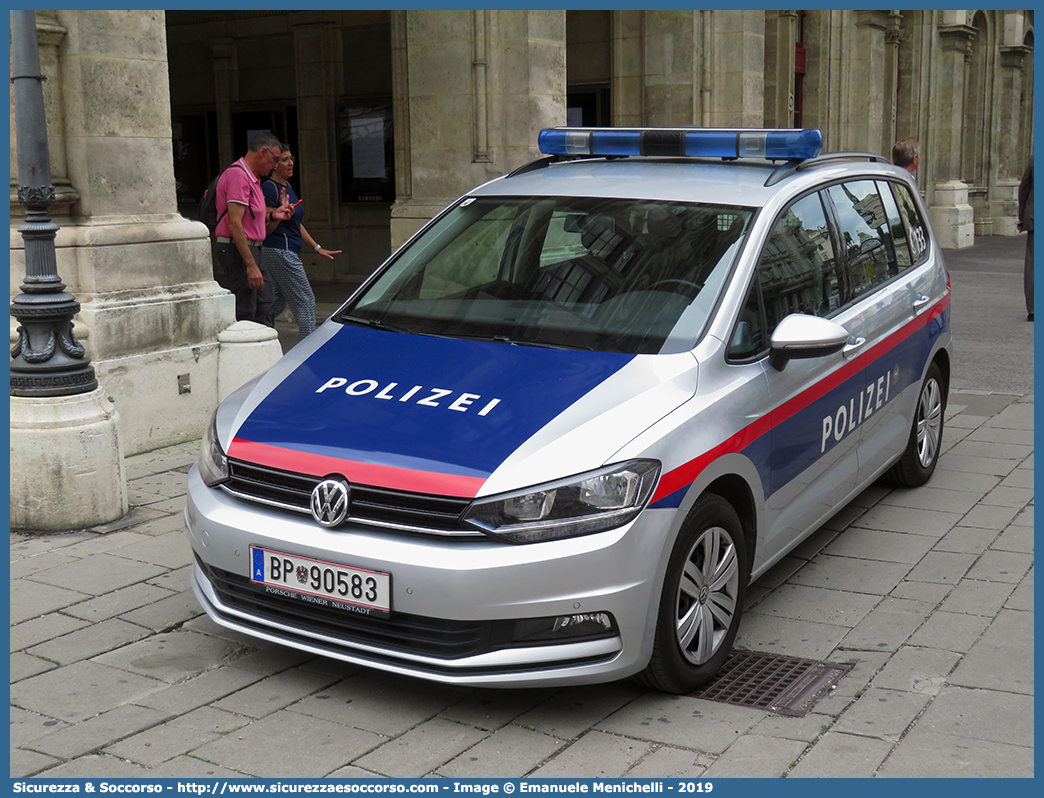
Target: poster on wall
(366,143)
(368,147)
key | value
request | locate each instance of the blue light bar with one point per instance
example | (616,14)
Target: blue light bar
(682,142)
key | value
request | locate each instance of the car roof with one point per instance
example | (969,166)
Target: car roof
(742,182)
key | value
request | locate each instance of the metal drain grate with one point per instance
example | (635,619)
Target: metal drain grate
(784,685)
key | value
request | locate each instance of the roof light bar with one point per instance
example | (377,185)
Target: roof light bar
(685,142)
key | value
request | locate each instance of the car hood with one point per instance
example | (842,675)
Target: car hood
(443,416)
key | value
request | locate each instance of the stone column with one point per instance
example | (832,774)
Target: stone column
(780,40)
(737,40)
(226,92)
(319,73)
(1012,80)
(401,115)
(952,215)
(671,68)
(826,78)
(150,309)
(481,85)
(66,461)
(867,105)
(526,84)
(916,42)
(627,94)
(893,36)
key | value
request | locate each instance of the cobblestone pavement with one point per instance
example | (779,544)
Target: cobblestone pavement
(115,671)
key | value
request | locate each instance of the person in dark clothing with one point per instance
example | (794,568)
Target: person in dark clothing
(244,221)
(1026,223)
(281,254)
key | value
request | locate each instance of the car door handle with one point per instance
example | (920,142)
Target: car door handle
(854,348)
(920,303)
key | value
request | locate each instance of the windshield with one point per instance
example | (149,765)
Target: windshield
(610,275)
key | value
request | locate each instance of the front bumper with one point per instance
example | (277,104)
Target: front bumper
(445,592)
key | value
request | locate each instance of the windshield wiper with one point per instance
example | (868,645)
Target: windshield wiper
(504,339)
(377,324)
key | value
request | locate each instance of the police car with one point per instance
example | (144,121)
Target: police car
(554,438)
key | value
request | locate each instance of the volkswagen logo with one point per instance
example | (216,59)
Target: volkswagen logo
(330,502)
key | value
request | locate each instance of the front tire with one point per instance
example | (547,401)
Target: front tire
(918,462)
(702,599)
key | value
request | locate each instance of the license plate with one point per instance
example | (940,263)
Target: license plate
(319,582)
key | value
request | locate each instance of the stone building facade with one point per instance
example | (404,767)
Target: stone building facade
(393,114)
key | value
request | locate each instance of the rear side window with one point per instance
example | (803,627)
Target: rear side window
(916,230)
(897,232)
(867,236)
(798,265)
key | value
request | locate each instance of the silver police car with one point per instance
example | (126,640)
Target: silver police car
(554,438)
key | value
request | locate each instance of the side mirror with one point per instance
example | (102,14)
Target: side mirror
(800,336)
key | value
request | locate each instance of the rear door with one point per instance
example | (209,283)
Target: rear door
(892,293)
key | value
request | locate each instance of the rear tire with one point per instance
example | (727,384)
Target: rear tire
(918,462)
(702,599)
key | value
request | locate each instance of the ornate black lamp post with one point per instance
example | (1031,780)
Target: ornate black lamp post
(47,360)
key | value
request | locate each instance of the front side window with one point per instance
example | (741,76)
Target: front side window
(610,275)
(797,269)
(747,339)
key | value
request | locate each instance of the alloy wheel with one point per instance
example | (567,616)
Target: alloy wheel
(929,423)
(707,595)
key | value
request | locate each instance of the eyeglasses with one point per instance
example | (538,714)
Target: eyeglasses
(287,159)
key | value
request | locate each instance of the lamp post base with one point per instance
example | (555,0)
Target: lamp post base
(66,463)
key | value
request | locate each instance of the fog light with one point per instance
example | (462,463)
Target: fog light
(584,624)
(565,627)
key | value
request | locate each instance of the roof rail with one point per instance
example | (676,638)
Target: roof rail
(787,169)
(551,160)
(539,163)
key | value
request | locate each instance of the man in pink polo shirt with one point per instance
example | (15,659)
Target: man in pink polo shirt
(243,223)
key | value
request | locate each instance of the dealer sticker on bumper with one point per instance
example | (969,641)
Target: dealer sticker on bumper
(319,582)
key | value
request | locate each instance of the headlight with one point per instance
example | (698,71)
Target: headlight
(580,505)
(213,465)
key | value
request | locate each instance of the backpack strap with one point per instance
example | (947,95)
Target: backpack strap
(222,216)
(274,183)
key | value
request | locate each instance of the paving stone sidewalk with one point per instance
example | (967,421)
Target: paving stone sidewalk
(115,671)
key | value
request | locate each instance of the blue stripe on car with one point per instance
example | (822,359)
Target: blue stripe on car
(420,402)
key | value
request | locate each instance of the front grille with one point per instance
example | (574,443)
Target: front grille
(412,634)
(415,512)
